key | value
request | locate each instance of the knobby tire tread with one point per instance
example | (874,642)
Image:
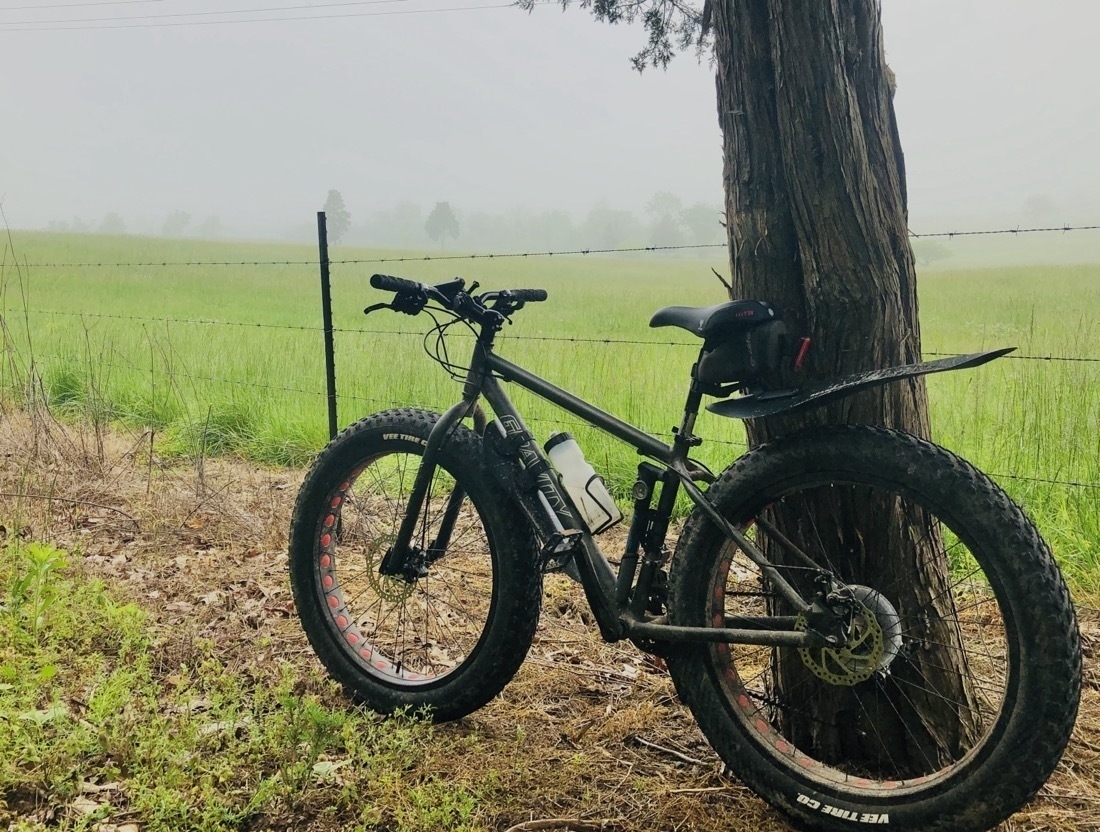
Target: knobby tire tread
(1046,700)
(510,631)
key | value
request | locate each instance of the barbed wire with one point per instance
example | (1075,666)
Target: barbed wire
(75,26)
(41,6)
(116,18)
(504,338)
(1017,230)
(172,320)
(14,264)
(1015,357)
(558,422)
(175,373)
(1068,483)
(578,252)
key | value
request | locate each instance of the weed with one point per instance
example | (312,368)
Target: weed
(32,586)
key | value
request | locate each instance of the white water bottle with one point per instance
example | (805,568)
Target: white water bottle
(584,486)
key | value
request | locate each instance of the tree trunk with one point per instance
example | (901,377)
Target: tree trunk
(815,193)
(817,223)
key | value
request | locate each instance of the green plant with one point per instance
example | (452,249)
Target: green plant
(33,589)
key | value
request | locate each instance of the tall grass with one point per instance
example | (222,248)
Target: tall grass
(125,344)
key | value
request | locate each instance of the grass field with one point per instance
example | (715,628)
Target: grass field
(123,344)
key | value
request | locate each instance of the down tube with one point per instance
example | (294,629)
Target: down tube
(597,576)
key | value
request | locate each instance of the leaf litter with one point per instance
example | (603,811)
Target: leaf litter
(587,736)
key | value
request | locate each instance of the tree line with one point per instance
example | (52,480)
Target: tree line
(664,221)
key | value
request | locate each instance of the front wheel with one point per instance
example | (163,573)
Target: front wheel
(450,631)
(956,687)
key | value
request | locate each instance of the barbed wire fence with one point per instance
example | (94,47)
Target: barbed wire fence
(575,252)
(177,373)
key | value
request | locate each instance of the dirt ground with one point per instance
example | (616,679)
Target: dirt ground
(586,730)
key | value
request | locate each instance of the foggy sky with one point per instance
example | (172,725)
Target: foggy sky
(490,109)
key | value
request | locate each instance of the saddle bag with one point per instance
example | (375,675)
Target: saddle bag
(744,354)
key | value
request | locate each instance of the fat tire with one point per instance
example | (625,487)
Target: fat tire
(516,583)
(1044,668)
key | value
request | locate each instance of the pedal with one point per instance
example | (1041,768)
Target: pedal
(559,549)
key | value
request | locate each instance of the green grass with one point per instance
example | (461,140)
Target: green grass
(1010,250)
(98,722)
(119,344)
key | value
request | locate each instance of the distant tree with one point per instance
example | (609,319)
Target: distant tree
(1040,208)
(607,227)
(176,223)
(402,226)
(78,226)
(337,218)
(664,204)
(482,230)
(664,210)
(111,223)
(704,222)
(551,229)
(928,252)
(666,231)
(210,228)
(441,223)
(59,226)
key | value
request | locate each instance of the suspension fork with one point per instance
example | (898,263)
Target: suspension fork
(438,547)
(396,558)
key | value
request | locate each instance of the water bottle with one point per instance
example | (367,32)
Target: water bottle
(584,486)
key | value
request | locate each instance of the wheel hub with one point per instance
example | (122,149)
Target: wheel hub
(392,588)
(872,640)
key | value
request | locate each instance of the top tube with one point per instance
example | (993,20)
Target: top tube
(646,444)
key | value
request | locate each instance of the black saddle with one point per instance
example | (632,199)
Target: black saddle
(715,322)
(743,340)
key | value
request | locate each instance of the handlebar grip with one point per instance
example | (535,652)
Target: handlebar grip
(528,295)
(389,283)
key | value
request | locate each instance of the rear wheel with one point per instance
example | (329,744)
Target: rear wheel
(449,633)
(953,697)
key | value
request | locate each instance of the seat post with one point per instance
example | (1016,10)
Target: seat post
(685,438)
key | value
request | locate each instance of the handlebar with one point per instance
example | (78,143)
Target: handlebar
(389,283)
(526,295)
(487,308)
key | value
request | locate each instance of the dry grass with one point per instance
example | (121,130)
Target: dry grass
(587,732)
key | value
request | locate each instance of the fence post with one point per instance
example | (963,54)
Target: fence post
(326,314)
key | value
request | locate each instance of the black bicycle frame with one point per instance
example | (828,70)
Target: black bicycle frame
(618,601)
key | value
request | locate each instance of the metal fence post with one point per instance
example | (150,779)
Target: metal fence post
(326,314)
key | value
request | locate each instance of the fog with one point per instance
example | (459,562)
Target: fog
(244,120)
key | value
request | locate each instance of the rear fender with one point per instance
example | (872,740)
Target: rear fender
(774,402)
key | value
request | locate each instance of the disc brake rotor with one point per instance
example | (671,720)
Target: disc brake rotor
(390,588)
(857,660)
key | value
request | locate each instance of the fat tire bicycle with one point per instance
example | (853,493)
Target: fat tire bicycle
(836,687)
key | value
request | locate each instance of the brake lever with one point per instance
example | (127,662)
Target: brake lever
(408,304)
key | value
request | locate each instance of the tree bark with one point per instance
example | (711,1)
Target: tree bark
(818,224)
(815,194)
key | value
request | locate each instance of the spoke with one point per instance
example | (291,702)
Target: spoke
(932,692)
(973,682)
